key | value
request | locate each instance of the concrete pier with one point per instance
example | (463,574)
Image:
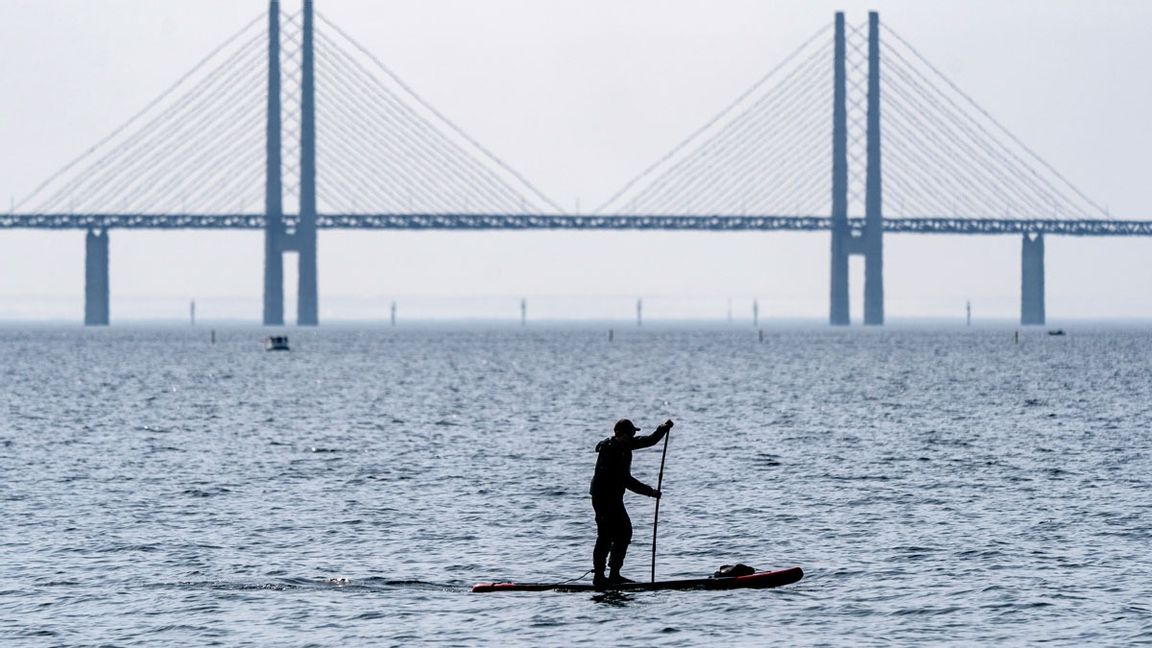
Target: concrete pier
(1032,281)
(96,311)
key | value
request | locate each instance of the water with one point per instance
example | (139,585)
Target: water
(939,487)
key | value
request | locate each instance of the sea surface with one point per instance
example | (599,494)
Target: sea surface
(938,486)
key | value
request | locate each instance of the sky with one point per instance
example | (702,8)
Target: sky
(579,96)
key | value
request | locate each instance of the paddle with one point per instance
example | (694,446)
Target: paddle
(659,486)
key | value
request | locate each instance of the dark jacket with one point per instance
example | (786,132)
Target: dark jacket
(614,466)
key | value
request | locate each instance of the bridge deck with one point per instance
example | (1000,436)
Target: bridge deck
(926,225)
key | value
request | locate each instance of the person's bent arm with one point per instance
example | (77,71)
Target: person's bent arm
(637,486)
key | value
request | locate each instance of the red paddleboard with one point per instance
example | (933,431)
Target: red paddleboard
(757,580)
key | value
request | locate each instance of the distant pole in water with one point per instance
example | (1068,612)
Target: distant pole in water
(609,335)
(523,312)
(968,311)
(192,312)
(756,316)
(1016,337)
(213,336)
(761,335)
(639,312)
(393,313)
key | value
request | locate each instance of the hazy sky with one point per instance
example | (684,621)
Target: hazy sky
(579,96)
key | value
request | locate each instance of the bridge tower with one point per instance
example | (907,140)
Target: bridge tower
(307,307)
(277,240)
(841,236)
(273,185)
(845,241)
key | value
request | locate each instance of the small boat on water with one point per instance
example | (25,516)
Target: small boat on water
(276,343)
(1056,332)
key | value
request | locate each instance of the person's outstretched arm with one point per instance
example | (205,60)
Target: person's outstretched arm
(648,440)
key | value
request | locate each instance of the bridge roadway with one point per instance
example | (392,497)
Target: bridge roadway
(926,225)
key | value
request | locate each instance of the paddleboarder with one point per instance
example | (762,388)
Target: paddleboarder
(612,477)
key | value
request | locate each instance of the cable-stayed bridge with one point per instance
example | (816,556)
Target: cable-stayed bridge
(291,126)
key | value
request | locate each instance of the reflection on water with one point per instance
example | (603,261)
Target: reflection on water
(617,599)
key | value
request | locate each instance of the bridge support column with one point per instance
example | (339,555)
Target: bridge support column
(96,311)
(1032,281)
(308,306)
(273,194)
(273,279)
(838,313)
(873,201)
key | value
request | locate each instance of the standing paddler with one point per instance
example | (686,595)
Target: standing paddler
(614,475)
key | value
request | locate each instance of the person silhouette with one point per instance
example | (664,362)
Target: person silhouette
(612,477)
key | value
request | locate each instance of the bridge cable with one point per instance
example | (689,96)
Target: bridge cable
(723,113)
(996,123)
(131,120)
(441,116)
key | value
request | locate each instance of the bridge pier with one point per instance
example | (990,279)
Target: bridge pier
(96,311)
(273,277)
(1032,280)
(838,313)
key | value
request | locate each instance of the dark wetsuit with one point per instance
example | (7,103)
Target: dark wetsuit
(614,475)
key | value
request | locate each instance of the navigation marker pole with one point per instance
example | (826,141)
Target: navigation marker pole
(656,515)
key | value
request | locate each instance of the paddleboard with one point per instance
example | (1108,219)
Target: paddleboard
(758,580)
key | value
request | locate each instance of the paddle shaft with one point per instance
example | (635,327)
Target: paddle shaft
(656,515)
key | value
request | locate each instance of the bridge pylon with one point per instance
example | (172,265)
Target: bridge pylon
(307,305)
(308,298)
(874,196)
(868,241)
(273,182)
(277,240)
(838,313)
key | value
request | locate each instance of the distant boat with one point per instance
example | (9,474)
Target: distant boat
(1056,332)
(276,343)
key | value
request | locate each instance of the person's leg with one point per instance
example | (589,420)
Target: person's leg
(621,539)
(604,535)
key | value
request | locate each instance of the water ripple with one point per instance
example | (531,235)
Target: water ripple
(938,487)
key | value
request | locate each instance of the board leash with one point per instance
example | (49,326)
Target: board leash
(571,580)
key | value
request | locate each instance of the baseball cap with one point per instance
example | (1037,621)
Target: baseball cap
(624,425)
